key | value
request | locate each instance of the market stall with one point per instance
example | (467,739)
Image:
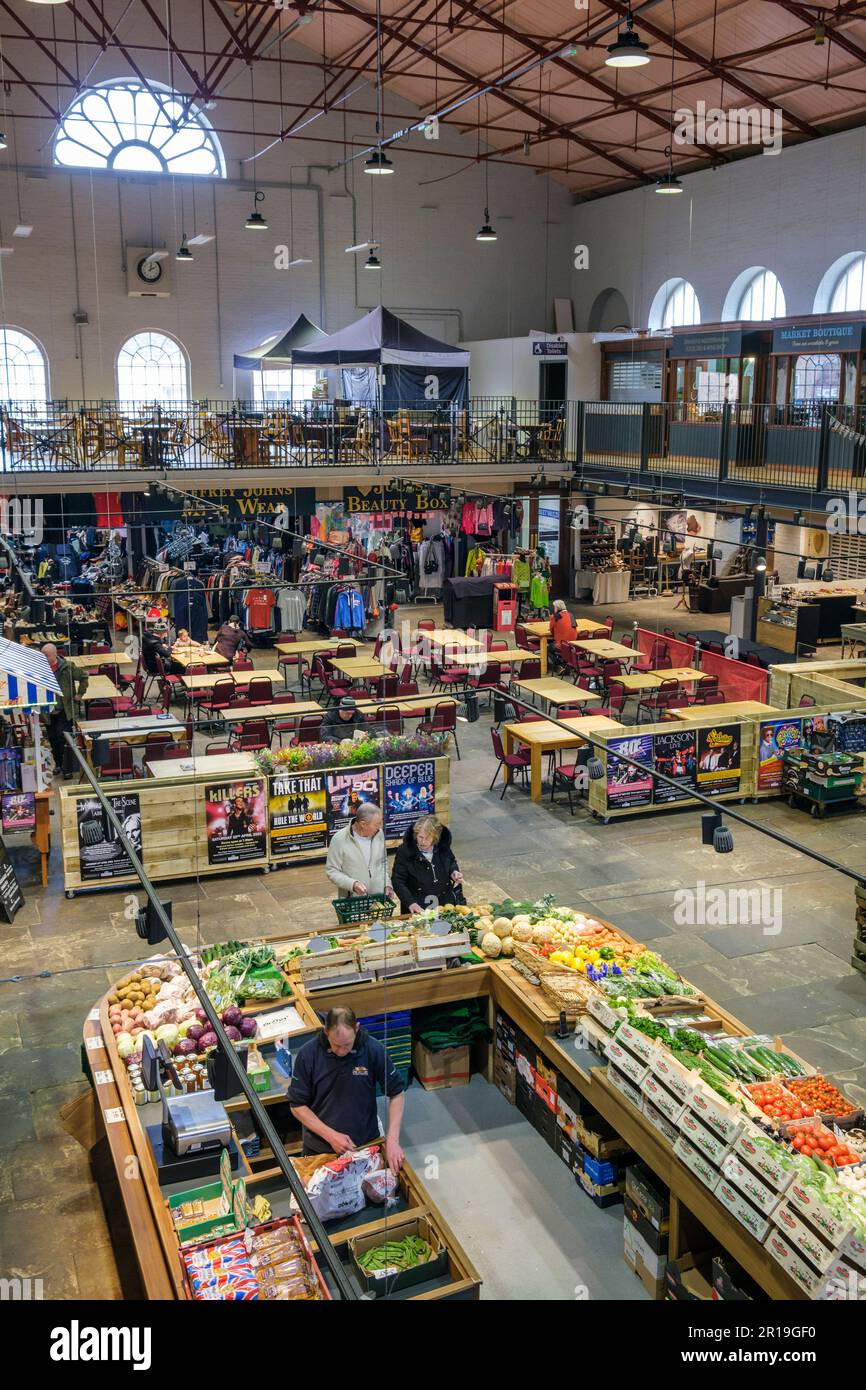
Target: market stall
(613,1057)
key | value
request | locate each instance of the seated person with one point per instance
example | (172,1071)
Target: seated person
(341,721)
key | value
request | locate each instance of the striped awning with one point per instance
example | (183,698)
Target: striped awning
(26,680)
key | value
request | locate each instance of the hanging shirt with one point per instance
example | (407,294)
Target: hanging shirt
(259,604)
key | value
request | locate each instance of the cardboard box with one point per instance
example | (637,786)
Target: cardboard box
(725,1120)
(382,1282)
(506,1037)
(438,1071)
(524,1098)
(545,1092)
(659,1121)
(601,1173)
(688,1279)
(636,1041)
(650,1197)
(732,1284)
(748,1216)
(671,1106)
(544,1120)
(656,1240)
(678,1079)
(711,1145)
(761,1160)
(547,1072)
(834,1230)
(604,1014)
(599,1139)
(842,1283)
(790,1259)
(759,1193)
(697,1162)
(800,1234)
(631,1066)
(648,1266)
(505,1077)
(570,1152)
(606,1195)
(624,1085)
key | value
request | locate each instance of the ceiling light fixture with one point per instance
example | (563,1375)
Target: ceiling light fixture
(183,252)
(669,183)
(372,262)
(256,222)
(629,51)
(485,232)
(378,163)
(4,144)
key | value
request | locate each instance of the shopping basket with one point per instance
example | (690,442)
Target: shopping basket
(369,907)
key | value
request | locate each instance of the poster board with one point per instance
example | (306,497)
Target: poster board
(11,895)
(297,813)
(408,792)
(237,823)
(102,855)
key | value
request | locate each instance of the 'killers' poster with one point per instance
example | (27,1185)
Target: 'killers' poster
(101,854)
(236,821)
(298,810)
(675,757)
(410,792)
(719,759)
(629,786)
(774,737)
(347,791)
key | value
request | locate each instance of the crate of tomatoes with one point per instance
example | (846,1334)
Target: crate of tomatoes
(778,1103)
(825,1098)
(813,1139)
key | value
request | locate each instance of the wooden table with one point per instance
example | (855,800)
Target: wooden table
(684,674)
(359,668)
(208,679)
(515,656)
(282,711)
(449,636)
(733,710)
(408,705)
(185,656)
(558,692)
(100,688)
(84,663)
(542,737)
(312,647)
(635,681)
(129,728)
(544,635)
(607,650)
(205,767)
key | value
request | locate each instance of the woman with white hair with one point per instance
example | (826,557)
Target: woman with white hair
(357,859)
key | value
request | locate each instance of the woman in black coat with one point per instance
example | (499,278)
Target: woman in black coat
(425,872)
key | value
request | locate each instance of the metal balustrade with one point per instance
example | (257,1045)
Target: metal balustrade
(811,447)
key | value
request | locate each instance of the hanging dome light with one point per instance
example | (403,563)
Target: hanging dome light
(485,232)
(3,141)
(669,183)
(183,252)
(256,222)
(378,163)
(372,262)
(629,51)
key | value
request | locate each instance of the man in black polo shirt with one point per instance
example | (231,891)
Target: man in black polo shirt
(333,1090)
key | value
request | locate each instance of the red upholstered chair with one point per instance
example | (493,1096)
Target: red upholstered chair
(443,721)
(443,677)
(615,699)
(530,670)
(120,762)
(219,698)
(308,730)
(242,661)
(99,709)
(250,737)
(517,762)
(260,690)
(805,701)
(565,776)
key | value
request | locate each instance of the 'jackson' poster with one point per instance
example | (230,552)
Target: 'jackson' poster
(629,786)
(410,792)
(719,759)
(774,737)
(349,790)
(236,821)
(101,853)
(675,757)
(298,811)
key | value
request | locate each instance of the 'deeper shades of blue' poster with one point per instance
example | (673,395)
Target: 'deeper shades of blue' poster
(626,785)
(410,792)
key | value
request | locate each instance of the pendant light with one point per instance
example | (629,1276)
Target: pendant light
(629,51)
(3,141)
(183,252)
(378,163)
(256,222)
(485,232)
(372,262)
(669,183)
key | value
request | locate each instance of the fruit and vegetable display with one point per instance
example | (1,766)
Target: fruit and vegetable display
(822,1095)
(236,974)
(393,1256)
(813,1139)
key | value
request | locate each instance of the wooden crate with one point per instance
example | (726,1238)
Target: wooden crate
(387,955)
(327,965)
(430,950)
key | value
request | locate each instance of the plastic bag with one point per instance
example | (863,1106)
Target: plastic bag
(380,1187)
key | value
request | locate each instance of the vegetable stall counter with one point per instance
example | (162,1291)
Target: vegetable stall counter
(694,1208)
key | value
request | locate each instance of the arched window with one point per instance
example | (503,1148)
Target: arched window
(675,306)
(23,368)
(849,292)
(755,294)
(127,125)
(152,367)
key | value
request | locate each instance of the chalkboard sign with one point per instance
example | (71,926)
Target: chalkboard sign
(11,896)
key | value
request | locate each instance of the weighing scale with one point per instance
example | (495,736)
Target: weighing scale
(193,1123)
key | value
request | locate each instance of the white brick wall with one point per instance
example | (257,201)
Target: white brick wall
(795,213)
(435,273)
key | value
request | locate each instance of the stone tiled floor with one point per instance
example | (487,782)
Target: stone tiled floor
(797,983)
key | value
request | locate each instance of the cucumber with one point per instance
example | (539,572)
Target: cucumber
(735,1064)
(720,1062)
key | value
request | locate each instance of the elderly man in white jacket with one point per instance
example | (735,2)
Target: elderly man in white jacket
(357,858)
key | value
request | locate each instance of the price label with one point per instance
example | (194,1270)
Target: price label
(114,1115)
(103,1078)
(95,1044)
(94,1015)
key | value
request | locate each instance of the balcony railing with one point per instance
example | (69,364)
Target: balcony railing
(812,447)
(100,435)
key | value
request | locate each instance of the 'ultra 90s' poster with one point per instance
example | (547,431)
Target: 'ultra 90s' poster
(675,757)
(626,785)
(347,791)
